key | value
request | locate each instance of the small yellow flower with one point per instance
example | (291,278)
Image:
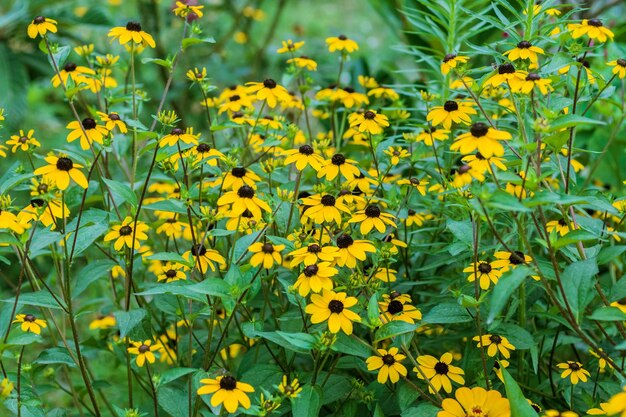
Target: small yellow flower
(266,254)
(290,389)
(494,344)
(228,391)
(484,272)
(60,169)
(619,68)
(303,62)
(123,234)
(341,43)
(617,404)
(40,26)
(388,363)
(132,32)
(482,138)
(144,351)
(334,308)
(525,50)
(592,28)
(185,10)
(574,370)
(451,112)
(506,74)
(451,61)
(196,75)
(23,141)
(369,121)
(290,46)
(30,323)
(439,371)
(268,91)
(103,322)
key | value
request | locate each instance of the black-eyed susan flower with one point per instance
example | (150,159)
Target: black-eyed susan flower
(268,91)
(509,260)
(573,370)
(439,371)
(389,365)
(266,254)
(30,323)
(431,134)
(323,208)
(103,322)
(290,389)
(228,391)
(289,46)
(494,344)
(451,112)
(179,135)
(416,183)
(204,258)
(416,218)
(349,97)
(243,199)
(601,411)
(369,121)
(617,404)
(451,61)
(338,164)
(238,177)
(475,402)
(187,10)
(84,50)
(465,174)
(621,304)
(334,308)
(619,67)
(396,306)
(44,211)
(560,226)
(532,81)
(303,61)
(112,121)
(88,131)
(123,234)
(10,221)
(484,272)
(171,271)
(396,154)
(506,74)
(196,75)
(525,50)
(373,217)
(40,26)
(341,43)
(60,169)
(384,93)
(350,250)
(315,277)
(144,351)
(592,28)
(304,156)
(77,73)
(479,163)
(385,274)
(482,138)
(312,254)
(23,141)
(131,32)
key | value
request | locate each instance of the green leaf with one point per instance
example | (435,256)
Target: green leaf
(348,345)
(181,288)
(175,206)
(212,286)
(55,355)
(127,321)
(575,236)
(162,62)
(38,298)
(297,342)
(569,120)
(187,42)
(92,272)
(608,314)
(447,313)
(308,403)
(461,230)
(504,288)
(577,282)
(372,310)
(422,410)
(173,374)
(393,329)
(606,255)
(174,401)
(519,406)
(121,192)
(169,256)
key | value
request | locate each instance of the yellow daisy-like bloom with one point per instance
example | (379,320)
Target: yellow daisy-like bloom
(573,370)
(341,43)
(475,402)
(451,111)
(132,32)
(617,404)
(386,274)
(323,208)
(482,138)
(170,272)
(619,67)
(395,154)
(315,277)
(531,81)
(84,50)
(228,391)
(303,62)
(621,304)
(349,98)
(236,103)
(289,46)
(494,344)
(451,61)
(525,50)
(204,258)
(334,308)
(415,218)
(204,152)
(416,183)
(557,413)
(30,323)
(88,131)
(384,92)
(339,164)
(303,156)
(439,372)
(484,272)
(369,121)
(184,10)
(59,171)
(290,389)
(507,74)
(397,307)
(45,212)
(40,26)
(367,81)
(372,217)
(312,254)
(6,387)
(266,254)
(179,135)
(112,121)
(350,250)
(123,234)
(268,91)
(430,135)
(465,174)
(196,75)
(103,322)
(108,60)
(592,28)
(481,164)
(560,226)
(144,351)
(10,221)
(238,177)
(509,260)
(78,74)
(23,141)
(388,364)
(243,199)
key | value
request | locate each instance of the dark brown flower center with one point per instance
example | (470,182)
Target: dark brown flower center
(247,214)
(335,306)
(314,248)
(125,230)
(369,115)
(88,123)
(594,22)
(114,116)
(29,317)
(574,366)
(342,37)
(234,98)
(484,268)
(344,241)
(43,188)
(228,383)
(202,148)
(170,273)
(533,77)
(411,212)
(395,306)
(517,258)
(306,150)
(463,169)
(267,248)
(372,211)
(198,250)
(441,368)
(269,83)
(23,139)
(494,338)
(388,359)
(37,202)
(621,62)
(507,68)
(524,45)
(64,164)
(133,26)
(348,90)
(238,172)
(177,131)
(143,348)
(479,129)
(328,200)
(69,67)
(338,159)
(39,20)
(450,106)
(311,270)
(245,191)
(449,57)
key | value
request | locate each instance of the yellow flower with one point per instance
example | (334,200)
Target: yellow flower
(348,97)
(103,322)
(123,234)
(341,43)
(45,212)
(465,174)
(23,141)
(388,364)
(323,208)
(339,164)
(475,402)
(334,308)
(196,75)
(289,46)
(619,67)
(592,28)
(290,389)
(386,274)
(59,170)
(312,254)
(484,272)
(369,121)
(416,183)
(40,26)
(179,135)
(451,61)
(228,391)
(617,404)
(372,217)
(506,75)
(132,32)
(384,92)
(494,344)
(367,82)
(268,91)
(10,221)
(525,50)
(560,226)
(574,370)
(88,131)
(451,111)
(77,73)
(557,413)
(350,250)
(30,323)
(84,50)
(240,37)
(509,260)
(396,306)
(266,254)
(108,60)
(203,258)
(170,272)
(236,103)
(531,81)
(184,10)
(244,199)
(481,138)
(395,154)
(430,135)
(144,351)
(204,152)
(112,121)
(315,277)
(238,177)
(439,372)
(6,387)
(415,218)
(303,62)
